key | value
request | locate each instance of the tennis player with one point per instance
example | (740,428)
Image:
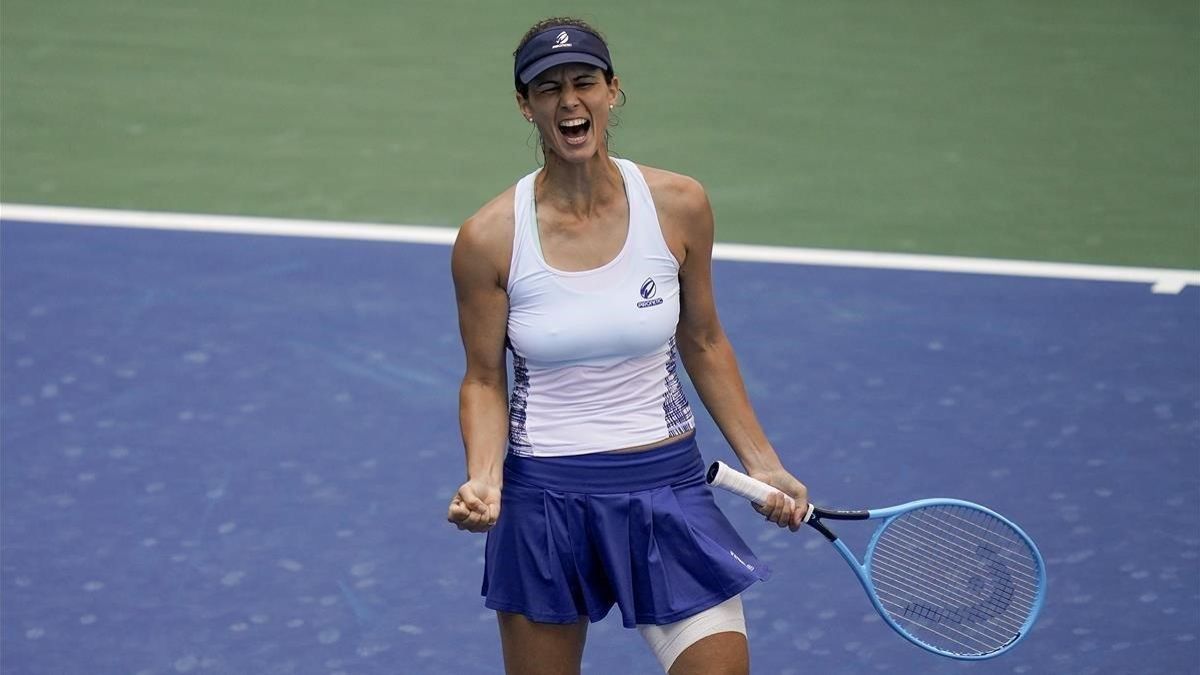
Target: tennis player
(594,272)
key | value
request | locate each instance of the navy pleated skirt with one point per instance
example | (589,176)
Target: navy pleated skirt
(640,530)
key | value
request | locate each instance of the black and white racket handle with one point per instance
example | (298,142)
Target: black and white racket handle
(728,478)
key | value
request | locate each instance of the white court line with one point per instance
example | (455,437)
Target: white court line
(196,222)
(1165,281)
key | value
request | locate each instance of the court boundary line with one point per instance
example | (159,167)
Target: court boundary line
(1161,280)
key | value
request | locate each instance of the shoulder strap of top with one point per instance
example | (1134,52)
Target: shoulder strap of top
(636,188)
(524,224)
(523,209)
(643,216)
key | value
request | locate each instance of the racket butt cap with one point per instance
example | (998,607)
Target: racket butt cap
(713,470)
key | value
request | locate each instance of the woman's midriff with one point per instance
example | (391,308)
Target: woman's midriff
(657,444)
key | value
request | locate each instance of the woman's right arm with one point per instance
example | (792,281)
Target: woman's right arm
(479,286)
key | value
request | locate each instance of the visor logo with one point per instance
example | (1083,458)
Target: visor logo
(563,40)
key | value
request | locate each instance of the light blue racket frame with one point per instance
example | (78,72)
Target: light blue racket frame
(863,570)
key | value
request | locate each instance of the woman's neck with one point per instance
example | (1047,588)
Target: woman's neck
(579,189)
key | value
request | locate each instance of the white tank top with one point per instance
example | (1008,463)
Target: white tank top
(594,358)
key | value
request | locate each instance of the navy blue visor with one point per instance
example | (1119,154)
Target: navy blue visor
(556,46)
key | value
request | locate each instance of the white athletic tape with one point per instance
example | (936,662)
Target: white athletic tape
(669,641)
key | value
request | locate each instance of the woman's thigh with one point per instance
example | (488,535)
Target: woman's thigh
(532,648)
(719,654)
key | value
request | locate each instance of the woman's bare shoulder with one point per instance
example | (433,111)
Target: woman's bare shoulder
(483,247)
(486,238)
(674,193)
(492,224)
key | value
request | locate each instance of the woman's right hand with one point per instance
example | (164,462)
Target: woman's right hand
(475,507)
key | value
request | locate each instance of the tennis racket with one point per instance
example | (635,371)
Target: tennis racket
(952,577)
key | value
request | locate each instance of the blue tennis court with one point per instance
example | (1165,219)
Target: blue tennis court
(232,454)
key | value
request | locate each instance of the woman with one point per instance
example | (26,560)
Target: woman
(595,272)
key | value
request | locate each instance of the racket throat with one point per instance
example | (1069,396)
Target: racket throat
(815,514)
(820,527)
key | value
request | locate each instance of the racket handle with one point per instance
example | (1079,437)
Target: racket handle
(728,478)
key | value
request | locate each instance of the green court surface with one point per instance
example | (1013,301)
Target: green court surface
(1066,131)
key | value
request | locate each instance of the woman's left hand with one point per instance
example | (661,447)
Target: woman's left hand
(783,512)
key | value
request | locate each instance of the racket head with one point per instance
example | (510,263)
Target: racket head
(954,577)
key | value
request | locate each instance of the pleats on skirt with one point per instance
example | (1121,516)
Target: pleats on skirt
(639,530)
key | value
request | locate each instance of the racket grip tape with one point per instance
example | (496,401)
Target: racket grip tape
(728,478)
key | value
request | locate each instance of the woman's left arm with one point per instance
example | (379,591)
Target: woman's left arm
(708,355)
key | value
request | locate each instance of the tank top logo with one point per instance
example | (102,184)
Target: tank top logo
(647,292)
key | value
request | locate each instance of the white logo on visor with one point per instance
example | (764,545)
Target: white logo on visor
(562,40)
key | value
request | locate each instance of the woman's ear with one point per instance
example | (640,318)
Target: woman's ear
(523,106)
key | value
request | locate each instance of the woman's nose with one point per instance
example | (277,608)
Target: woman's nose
(569,98)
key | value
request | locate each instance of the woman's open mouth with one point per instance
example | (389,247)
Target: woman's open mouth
(575,130)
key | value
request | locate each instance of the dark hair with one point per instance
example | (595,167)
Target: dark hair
(554,22)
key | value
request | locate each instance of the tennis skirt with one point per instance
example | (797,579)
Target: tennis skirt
(640,530)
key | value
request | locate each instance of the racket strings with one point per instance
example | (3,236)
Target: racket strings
(942,592)
(951,567)
(926,583)
(893,593)
(950,637)
(940,614)
(974,547)
(986,618)
(969,532)
(938,598)
(958,579)
(954,631)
